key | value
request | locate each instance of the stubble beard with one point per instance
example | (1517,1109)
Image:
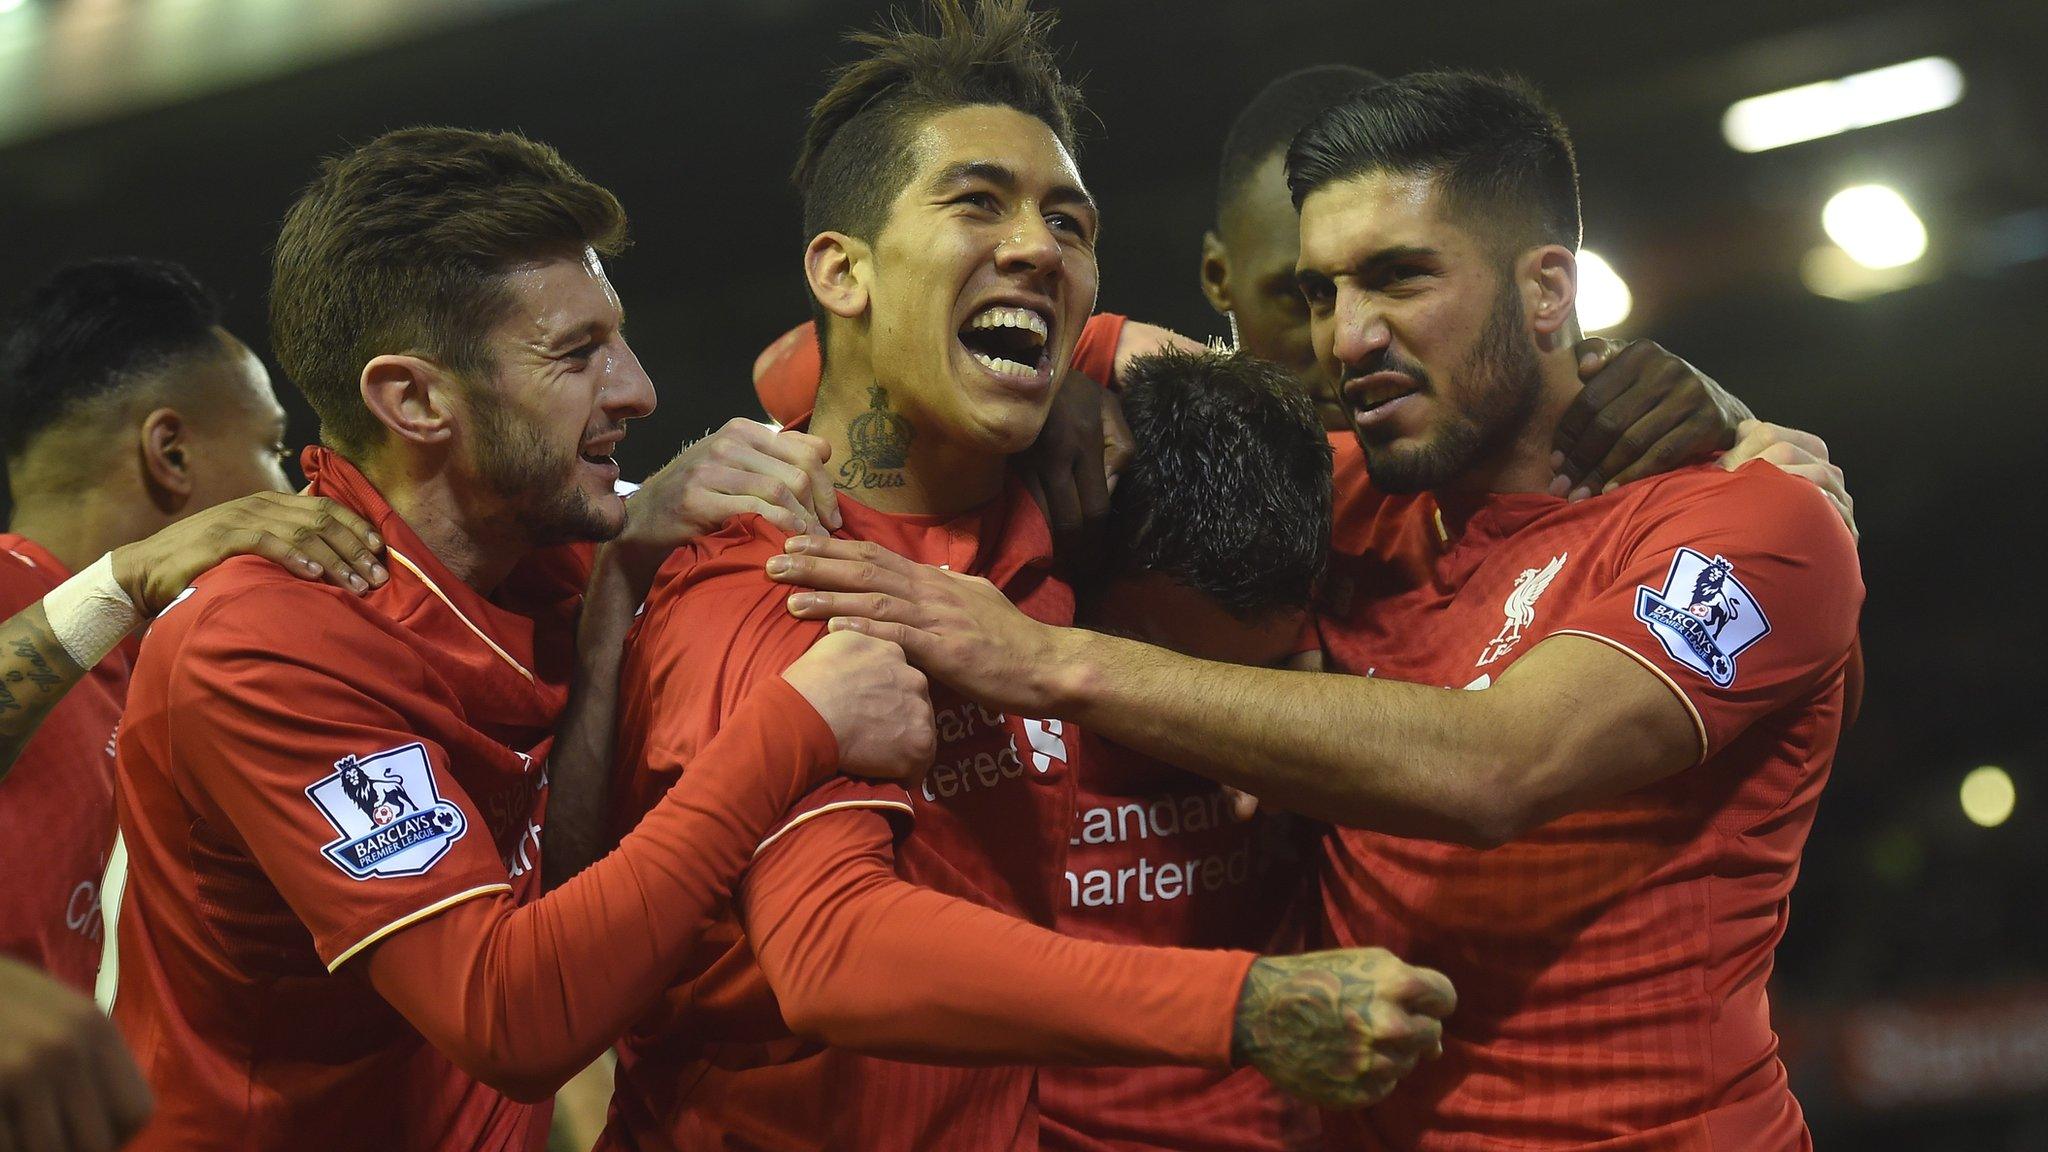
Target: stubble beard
(530,479)
(1504,381)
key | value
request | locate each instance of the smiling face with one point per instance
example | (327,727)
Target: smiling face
(540,432)
(1420,322)
(978,284)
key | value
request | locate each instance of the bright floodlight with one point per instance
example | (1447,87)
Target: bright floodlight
(1812,111)
(7,6)
(1604,300)
(1988,796)
(1875,226)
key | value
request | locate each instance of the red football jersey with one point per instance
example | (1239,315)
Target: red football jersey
(1155,856)
(716,1067)
(301,772)
(1610,965)
(57,803)
(787,371)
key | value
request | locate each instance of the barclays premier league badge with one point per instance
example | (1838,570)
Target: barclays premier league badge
(391,819)
(1704,617)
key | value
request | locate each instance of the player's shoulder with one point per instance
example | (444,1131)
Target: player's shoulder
(1758,502)
(718,583)
(23,578)
(248,598)
(729,560)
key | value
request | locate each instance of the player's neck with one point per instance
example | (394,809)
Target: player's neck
(888,459)
(1523,464)
(79,526)
(477,546)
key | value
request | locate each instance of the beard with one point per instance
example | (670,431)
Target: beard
(1501,380)
(533,480)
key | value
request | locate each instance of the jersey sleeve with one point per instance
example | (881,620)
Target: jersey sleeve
(1095,351)
(297,741)
(1741,594)
(700,650)
(863,959)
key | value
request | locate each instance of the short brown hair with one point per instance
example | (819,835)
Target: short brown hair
(856,150)
(401,246)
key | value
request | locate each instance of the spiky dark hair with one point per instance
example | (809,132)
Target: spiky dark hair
(1229,489)
(856,149)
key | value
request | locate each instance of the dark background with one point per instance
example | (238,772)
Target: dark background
(1932,398)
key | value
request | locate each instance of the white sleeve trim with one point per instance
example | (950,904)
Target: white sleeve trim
(411,918)
(1699,726)
(840,805)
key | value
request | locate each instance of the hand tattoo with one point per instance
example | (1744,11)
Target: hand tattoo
(881,445)
(1337,1028)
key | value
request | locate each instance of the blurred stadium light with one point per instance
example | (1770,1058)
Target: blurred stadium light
(1988,796)
(70,62)
(1812,111)
(1604,298)
(1875,226)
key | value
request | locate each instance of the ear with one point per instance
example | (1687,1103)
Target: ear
(166,446)
(836,266)
(1216,272)
(411,396)
(1550,286)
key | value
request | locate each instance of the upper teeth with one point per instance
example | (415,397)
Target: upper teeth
(1000,317)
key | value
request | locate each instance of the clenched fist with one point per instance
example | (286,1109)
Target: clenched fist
(1340,1028)
(878,707)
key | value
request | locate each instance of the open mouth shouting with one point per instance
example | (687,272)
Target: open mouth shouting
(1011,343)
(598,452)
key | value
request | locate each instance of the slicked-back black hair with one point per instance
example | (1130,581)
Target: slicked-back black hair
(856,149)
(1493,147)
(1281,109)
(93,328)
(1229,490)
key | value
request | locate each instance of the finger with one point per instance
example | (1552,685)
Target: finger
(860,550)
(918,645)
(36,1117)
(1695,438)
(1594,353)
(792,522)
(1063,509)
(1631,399)
(352,540)
(313,546)
(1118,445)
(9,1142)
(85,1117)
(789,483)
(1610,380)
(126,1095)
(1037,491)
(828,575)
(1243,805)
(824,494)
(1633,443)
(869,605)
(762,480)
(1433,993)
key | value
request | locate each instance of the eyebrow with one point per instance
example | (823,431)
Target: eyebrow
(1003,177)
(1384,256)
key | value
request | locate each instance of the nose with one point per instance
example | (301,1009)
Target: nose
(1360,330)
(1030,246)
(627,393)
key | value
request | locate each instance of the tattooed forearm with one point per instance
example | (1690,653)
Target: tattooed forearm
(35,673)
(1338,1028)
(881,445)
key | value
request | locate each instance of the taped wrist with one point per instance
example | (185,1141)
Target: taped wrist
(90,613)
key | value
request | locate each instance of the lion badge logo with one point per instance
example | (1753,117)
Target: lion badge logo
(1711,622)
(389,815)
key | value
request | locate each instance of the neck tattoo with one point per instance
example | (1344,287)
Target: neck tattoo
(880,440)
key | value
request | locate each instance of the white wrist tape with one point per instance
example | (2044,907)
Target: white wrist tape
(90,613)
